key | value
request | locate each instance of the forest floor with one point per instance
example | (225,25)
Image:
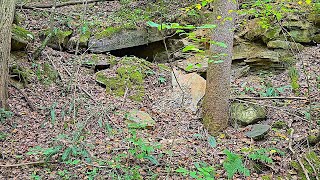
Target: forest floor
(77,104)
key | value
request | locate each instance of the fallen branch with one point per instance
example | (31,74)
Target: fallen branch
(70,3)
(276,97)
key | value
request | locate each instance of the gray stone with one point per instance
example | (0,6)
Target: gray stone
(258,131)
(124,39)
(246,114)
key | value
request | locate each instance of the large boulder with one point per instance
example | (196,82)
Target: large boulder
(20,38)
(113,39)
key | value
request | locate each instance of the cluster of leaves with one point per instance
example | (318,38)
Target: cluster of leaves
(267,90)
(69,154)
(203,171)
(270,10)
(142,149)
(233,164)
(263,155)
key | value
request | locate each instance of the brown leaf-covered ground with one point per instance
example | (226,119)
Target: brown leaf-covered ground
(77,101)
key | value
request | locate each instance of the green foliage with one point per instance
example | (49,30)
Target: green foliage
(141,149)
(233,164)
(5,115)
(202,172)
(45,73)
(162,80)
(294,77)
(69,154)
(263,155)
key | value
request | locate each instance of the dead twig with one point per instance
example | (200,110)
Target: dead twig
(70,3)
(277,97)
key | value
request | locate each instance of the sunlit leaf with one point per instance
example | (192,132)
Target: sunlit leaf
(212,141)
(152,24)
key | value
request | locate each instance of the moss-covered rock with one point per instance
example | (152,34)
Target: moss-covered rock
(22,74)
(255,30)
(278,44)
(301,36)
(108,32)
(129,78)
(84,39)
(316,38)
(246,114)
(20,38)
(271,33)
(59,39)
(280,124)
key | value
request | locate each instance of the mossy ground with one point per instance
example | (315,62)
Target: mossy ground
(128,80)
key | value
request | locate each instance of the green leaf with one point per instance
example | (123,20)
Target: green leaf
(207,26)
(212,141)
(189,67)
(180,31)
(152,24)
(193,174)
(182,170)
(66,154)
(152,159)
(190,48)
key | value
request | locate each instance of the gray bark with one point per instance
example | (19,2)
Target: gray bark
(7,8)
(216,101)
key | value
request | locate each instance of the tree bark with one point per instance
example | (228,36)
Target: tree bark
(216,101)
(7,8)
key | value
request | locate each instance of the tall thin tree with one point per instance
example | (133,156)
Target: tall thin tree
(216,101)
(7,8)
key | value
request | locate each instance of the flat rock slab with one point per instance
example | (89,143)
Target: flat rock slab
(124,39)
(139,119)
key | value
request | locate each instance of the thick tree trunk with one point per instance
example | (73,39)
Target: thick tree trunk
(216,101)
(6,17)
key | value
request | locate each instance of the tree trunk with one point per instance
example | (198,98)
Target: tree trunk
(216,101)
(6,17)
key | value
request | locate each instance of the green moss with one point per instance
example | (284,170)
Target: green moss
(20,37)
(107,32)
(279,124)
(129,78)
(164,67)
(84,38)
(24,74)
